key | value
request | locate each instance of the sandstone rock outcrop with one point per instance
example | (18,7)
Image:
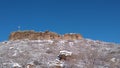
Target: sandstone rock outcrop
(47,35)
(72,36)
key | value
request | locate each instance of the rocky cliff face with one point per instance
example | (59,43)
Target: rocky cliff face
(47,35)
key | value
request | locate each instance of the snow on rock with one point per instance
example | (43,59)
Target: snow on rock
(15,65)
(56,63)
(71,43)
(30,65)
(113,59)
(108,49)
(66,53)
(49,41)
(5,42)
(62,41)
(15,53)
(11,48)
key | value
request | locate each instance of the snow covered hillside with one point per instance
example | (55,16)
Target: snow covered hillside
(84,53)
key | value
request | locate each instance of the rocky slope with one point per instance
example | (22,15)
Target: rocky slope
(59,53)
(85,53)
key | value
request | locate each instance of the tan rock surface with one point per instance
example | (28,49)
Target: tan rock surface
(47,35)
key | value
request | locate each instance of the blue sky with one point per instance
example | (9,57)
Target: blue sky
(95,19)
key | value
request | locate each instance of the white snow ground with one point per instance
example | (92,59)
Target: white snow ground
(85,53)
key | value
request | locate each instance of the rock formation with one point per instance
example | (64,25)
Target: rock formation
(47,35)
(72,36)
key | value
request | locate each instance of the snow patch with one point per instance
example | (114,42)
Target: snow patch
(66,53)
(16,65)
(11,48)
(113,59)
(56,63)
(15,53)
(61,42)
(71,43)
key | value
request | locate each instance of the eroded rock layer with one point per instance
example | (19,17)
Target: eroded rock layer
(47,35)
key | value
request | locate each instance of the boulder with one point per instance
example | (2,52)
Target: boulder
(64,54)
